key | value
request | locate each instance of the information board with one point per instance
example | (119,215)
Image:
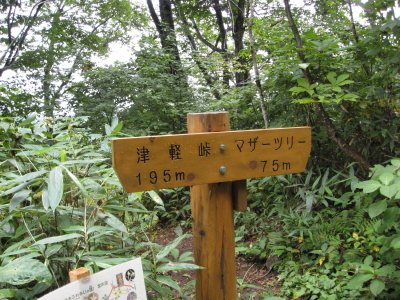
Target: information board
(123,281)
(165,161)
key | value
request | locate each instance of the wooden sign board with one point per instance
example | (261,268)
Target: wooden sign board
(156,162)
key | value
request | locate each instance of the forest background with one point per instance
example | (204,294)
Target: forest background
(332,231)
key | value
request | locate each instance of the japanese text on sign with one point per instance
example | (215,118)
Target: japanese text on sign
(147,163)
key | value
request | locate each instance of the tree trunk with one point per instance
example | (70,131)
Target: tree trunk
(166,32)
(238,15)
(195,53)
(224,45)
(255,66)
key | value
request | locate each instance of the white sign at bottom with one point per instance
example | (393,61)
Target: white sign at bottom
(124,281)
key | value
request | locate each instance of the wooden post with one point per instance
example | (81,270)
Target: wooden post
(77,274)
(213,228)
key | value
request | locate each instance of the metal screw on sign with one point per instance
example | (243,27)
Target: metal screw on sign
(222,170)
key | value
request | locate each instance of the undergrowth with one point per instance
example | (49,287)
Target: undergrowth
(328,235)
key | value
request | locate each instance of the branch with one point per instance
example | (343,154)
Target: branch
(208,78)
(355,35)
(16,44)
(76,60)
(220,22)
(203,40)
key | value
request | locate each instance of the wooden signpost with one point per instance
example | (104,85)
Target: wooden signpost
(215,162)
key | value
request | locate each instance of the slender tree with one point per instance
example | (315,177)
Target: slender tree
(255,66)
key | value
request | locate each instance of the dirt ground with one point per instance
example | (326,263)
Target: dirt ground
(252,273)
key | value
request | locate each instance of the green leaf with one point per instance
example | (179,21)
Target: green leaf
(24,270)
(367,268)
(171,266)
(114,122)
(83,161)
(303,101)
(117,128)
(18,198)
(377,286)
(310,199)
(304,66)
(386,270)
(331,77)
(155,286)
(303,82)
(351,97)
(63,156)
(172,245)
(368,186)
(298,292)
(17,252)
(345,82)
(391,215)
(7,293)
(342,78)
(311,91)
(19,187)
(377,208)
(395,243)
(368,260)
(28,176)
(154,196)
(29,119)
(52,250)
(373,52)
(386,178)
(297,89)
(45,198)
(55,187)
(108,262)
(57,239)
(108,129)
(358,280)
(5,125)
(328,190)
(168,281)
(389,191)
(112,221)
(78,183)
(395,162)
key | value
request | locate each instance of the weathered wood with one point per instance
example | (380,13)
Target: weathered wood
(239,195)
(155,162)
(77,274)
(213,230)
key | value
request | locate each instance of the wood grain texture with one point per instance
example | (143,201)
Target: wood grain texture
(213,228)
(239,195)
(77,274)
(155,162)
